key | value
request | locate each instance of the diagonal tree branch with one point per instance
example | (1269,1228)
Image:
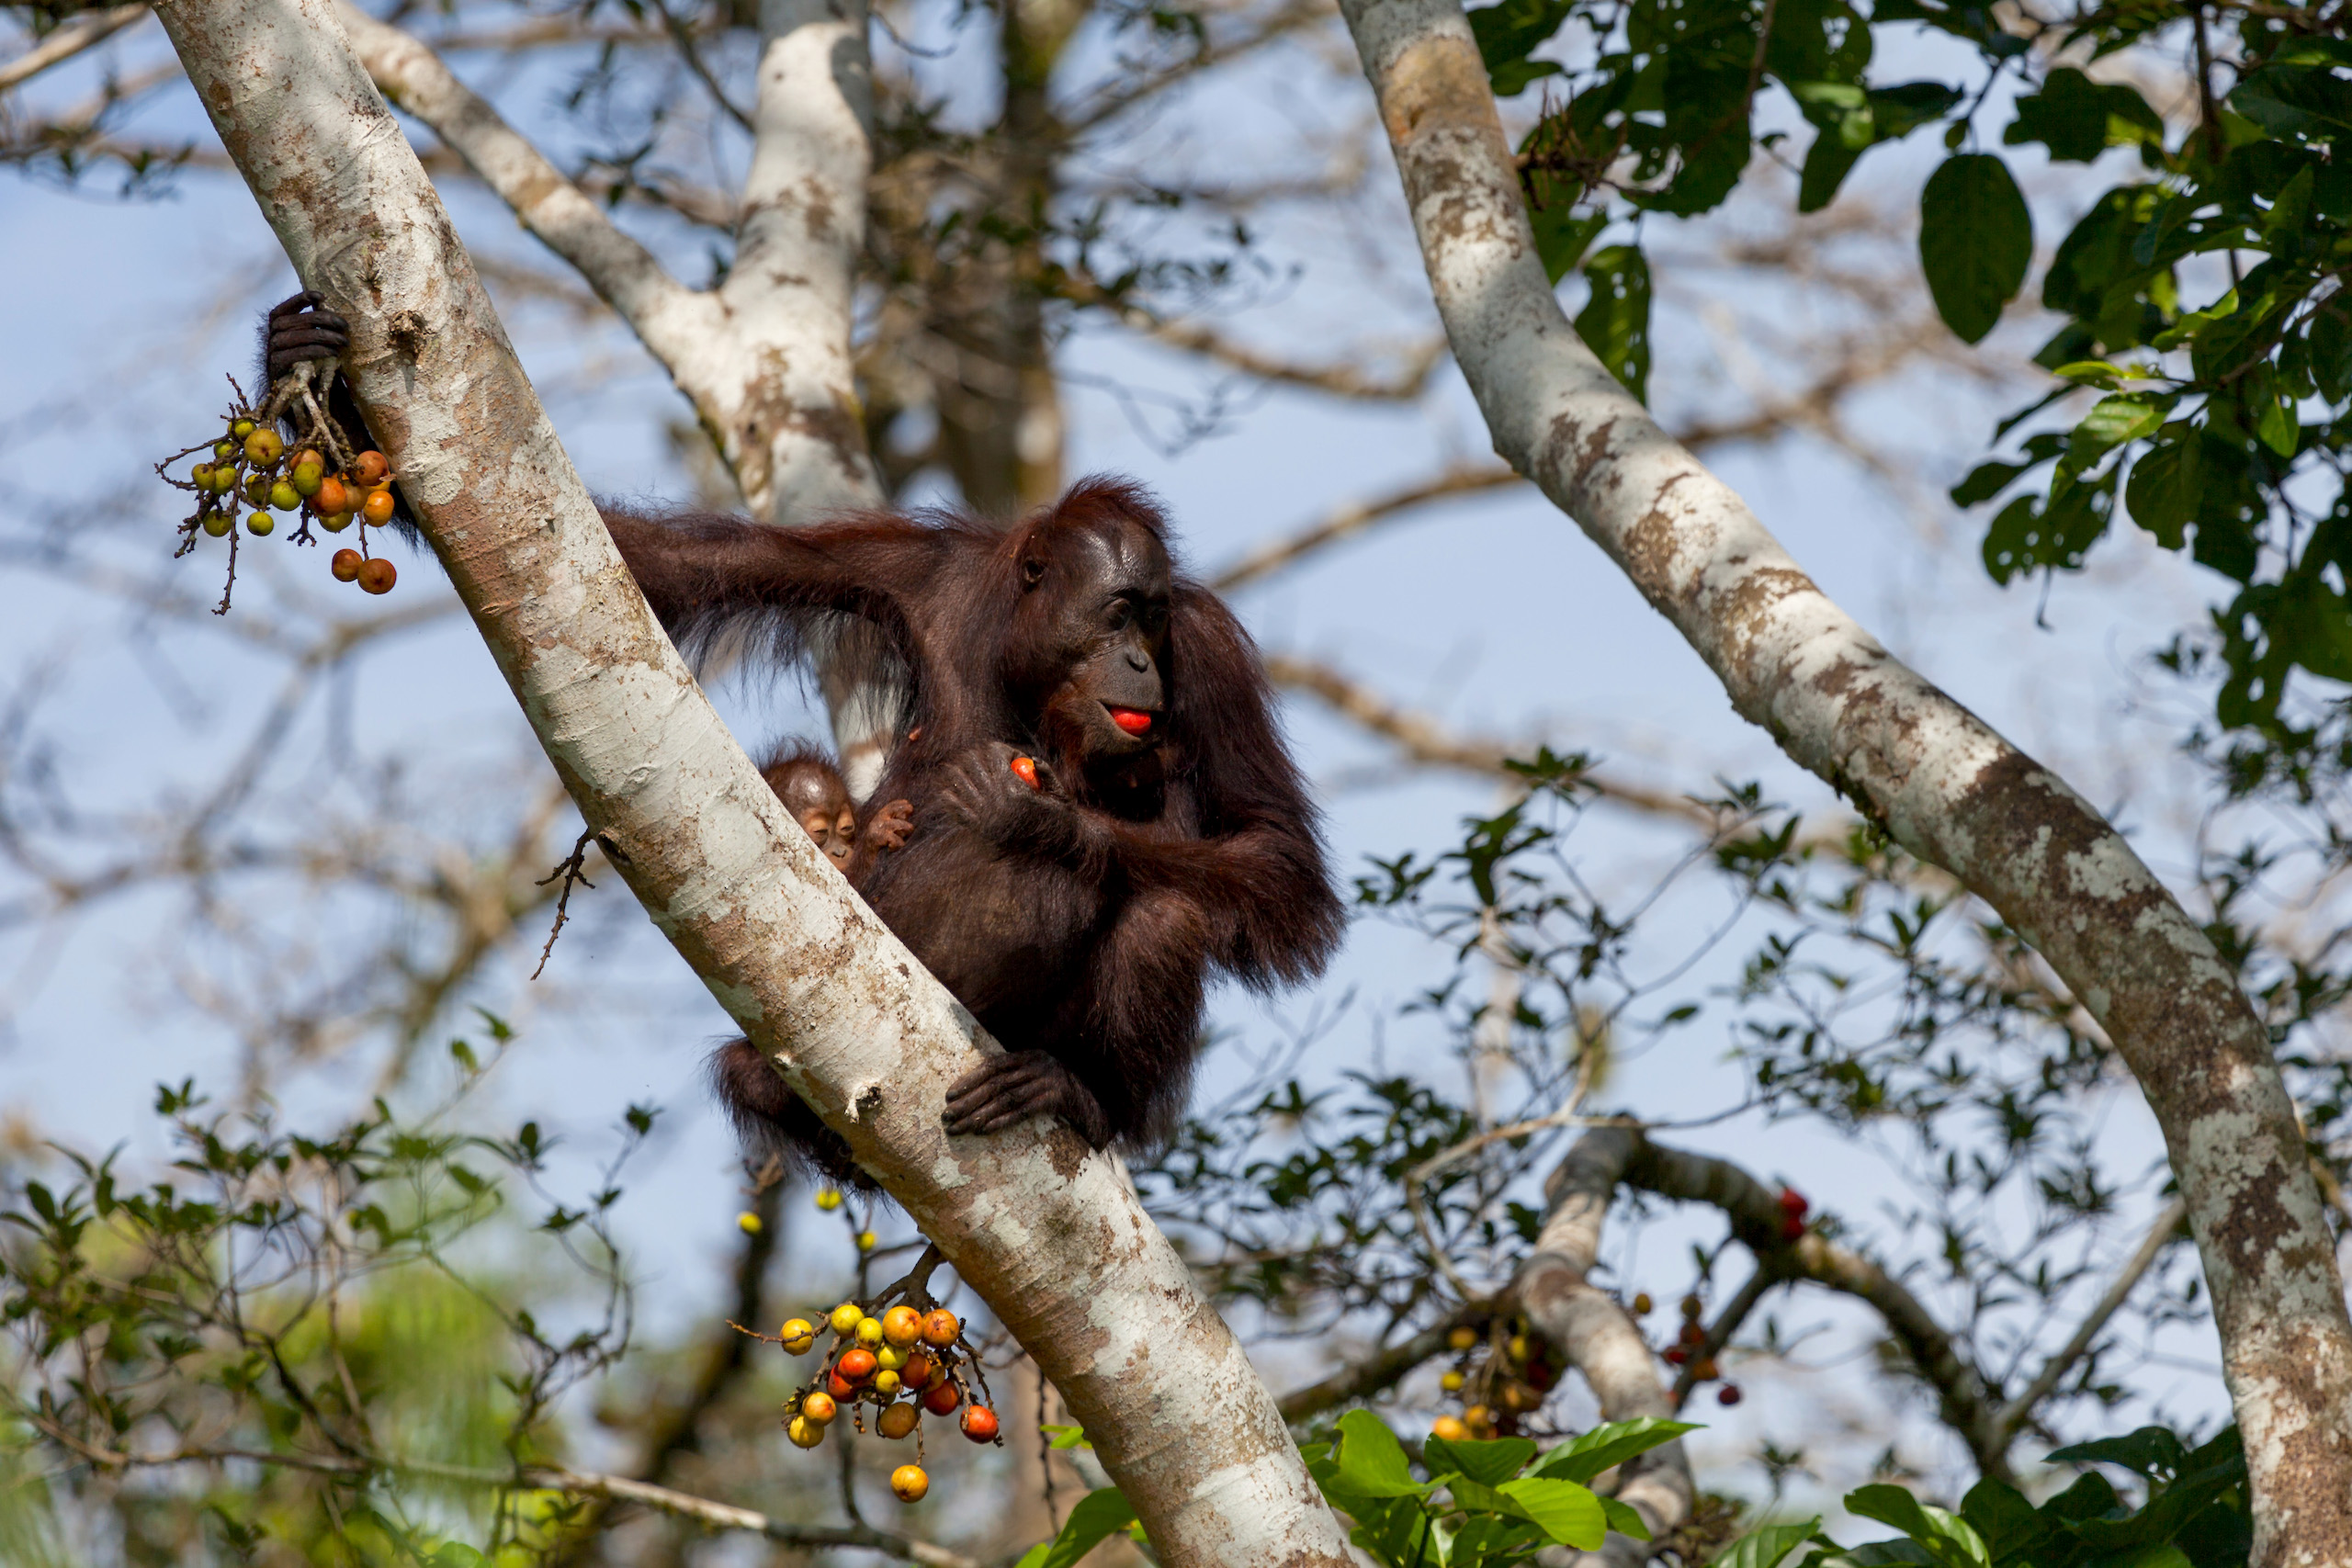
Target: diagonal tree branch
(1352,519)
(670,319)
(82,33)
(766,360)
(1941,782)
(1596,1336)
(1049,1234)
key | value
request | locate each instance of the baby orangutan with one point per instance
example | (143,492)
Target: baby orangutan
(809,783)
(810,786)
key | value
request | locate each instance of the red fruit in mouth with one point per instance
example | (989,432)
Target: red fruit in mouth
(1133,720)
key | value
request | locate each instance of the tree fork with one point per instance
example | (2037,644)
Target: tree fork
(1947,789)
(1051,1235)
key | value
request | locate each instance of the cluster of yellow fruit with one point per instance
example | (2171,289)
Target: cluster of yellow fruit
(1500,1378)
(252,465)
(904,1363)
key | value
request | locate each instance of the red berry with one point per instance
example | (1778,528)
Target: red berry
(345,566)
(1728,1395)
(857,1365)
(1791,1228)
(941,1399)
(1025,770)
(838,1386)
(1793,1201)
(369,469)
(376,576)
(1676,1355)
(979,1424)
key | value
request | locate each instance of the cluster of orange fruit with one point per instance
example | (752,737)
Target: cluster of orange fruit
(904,1363)
(1499,1378)
(252,465)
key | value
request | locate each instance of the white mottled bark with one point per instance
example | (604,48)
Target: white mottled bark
(1050,1234)
(1600,1340)
(793,397)
(1947,786)
(765,360)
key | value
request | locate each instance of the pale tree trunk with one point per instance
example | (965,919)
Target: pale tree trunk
(1947,789)
(1050,1234)
(765,358)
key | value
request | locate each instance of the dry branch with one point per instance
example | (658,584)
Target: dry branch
(1423,740)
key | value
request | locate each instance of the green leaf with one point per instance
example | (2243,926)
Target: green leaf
(1826,164)
(2077,119)
(1098,1514)
(1566,1511)
(1562,236)
(1985,482)
(1489,1463)
(2295,100)
(2095,254)
(1508,33)
(1948,1539)
(2150,1451)
(1875,1554)
(2007,1522)
(2114,420)
(1615,322)
(2162,492)
(1975,241)
(1765,1548)
(1372,1463)
(1624,1519)
(1853,120)
(1606,1446)
(2091,373)
(2331,347)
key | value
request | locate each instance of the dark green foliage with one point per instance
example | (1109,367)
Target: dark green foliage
(1615,322)
(2193,1514)
(2231,403)
(2229,415)
(282,1294)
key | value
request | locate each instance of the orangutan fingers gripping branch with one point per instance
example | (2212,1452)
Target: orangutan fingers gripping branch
(1091,809)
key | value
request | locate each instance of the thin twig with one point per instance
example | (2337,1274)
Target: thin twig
(572,871)
(2019,1411)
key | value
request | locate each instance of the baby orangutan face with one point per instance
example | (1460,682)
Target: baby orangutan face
(811,789)
(835,833)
